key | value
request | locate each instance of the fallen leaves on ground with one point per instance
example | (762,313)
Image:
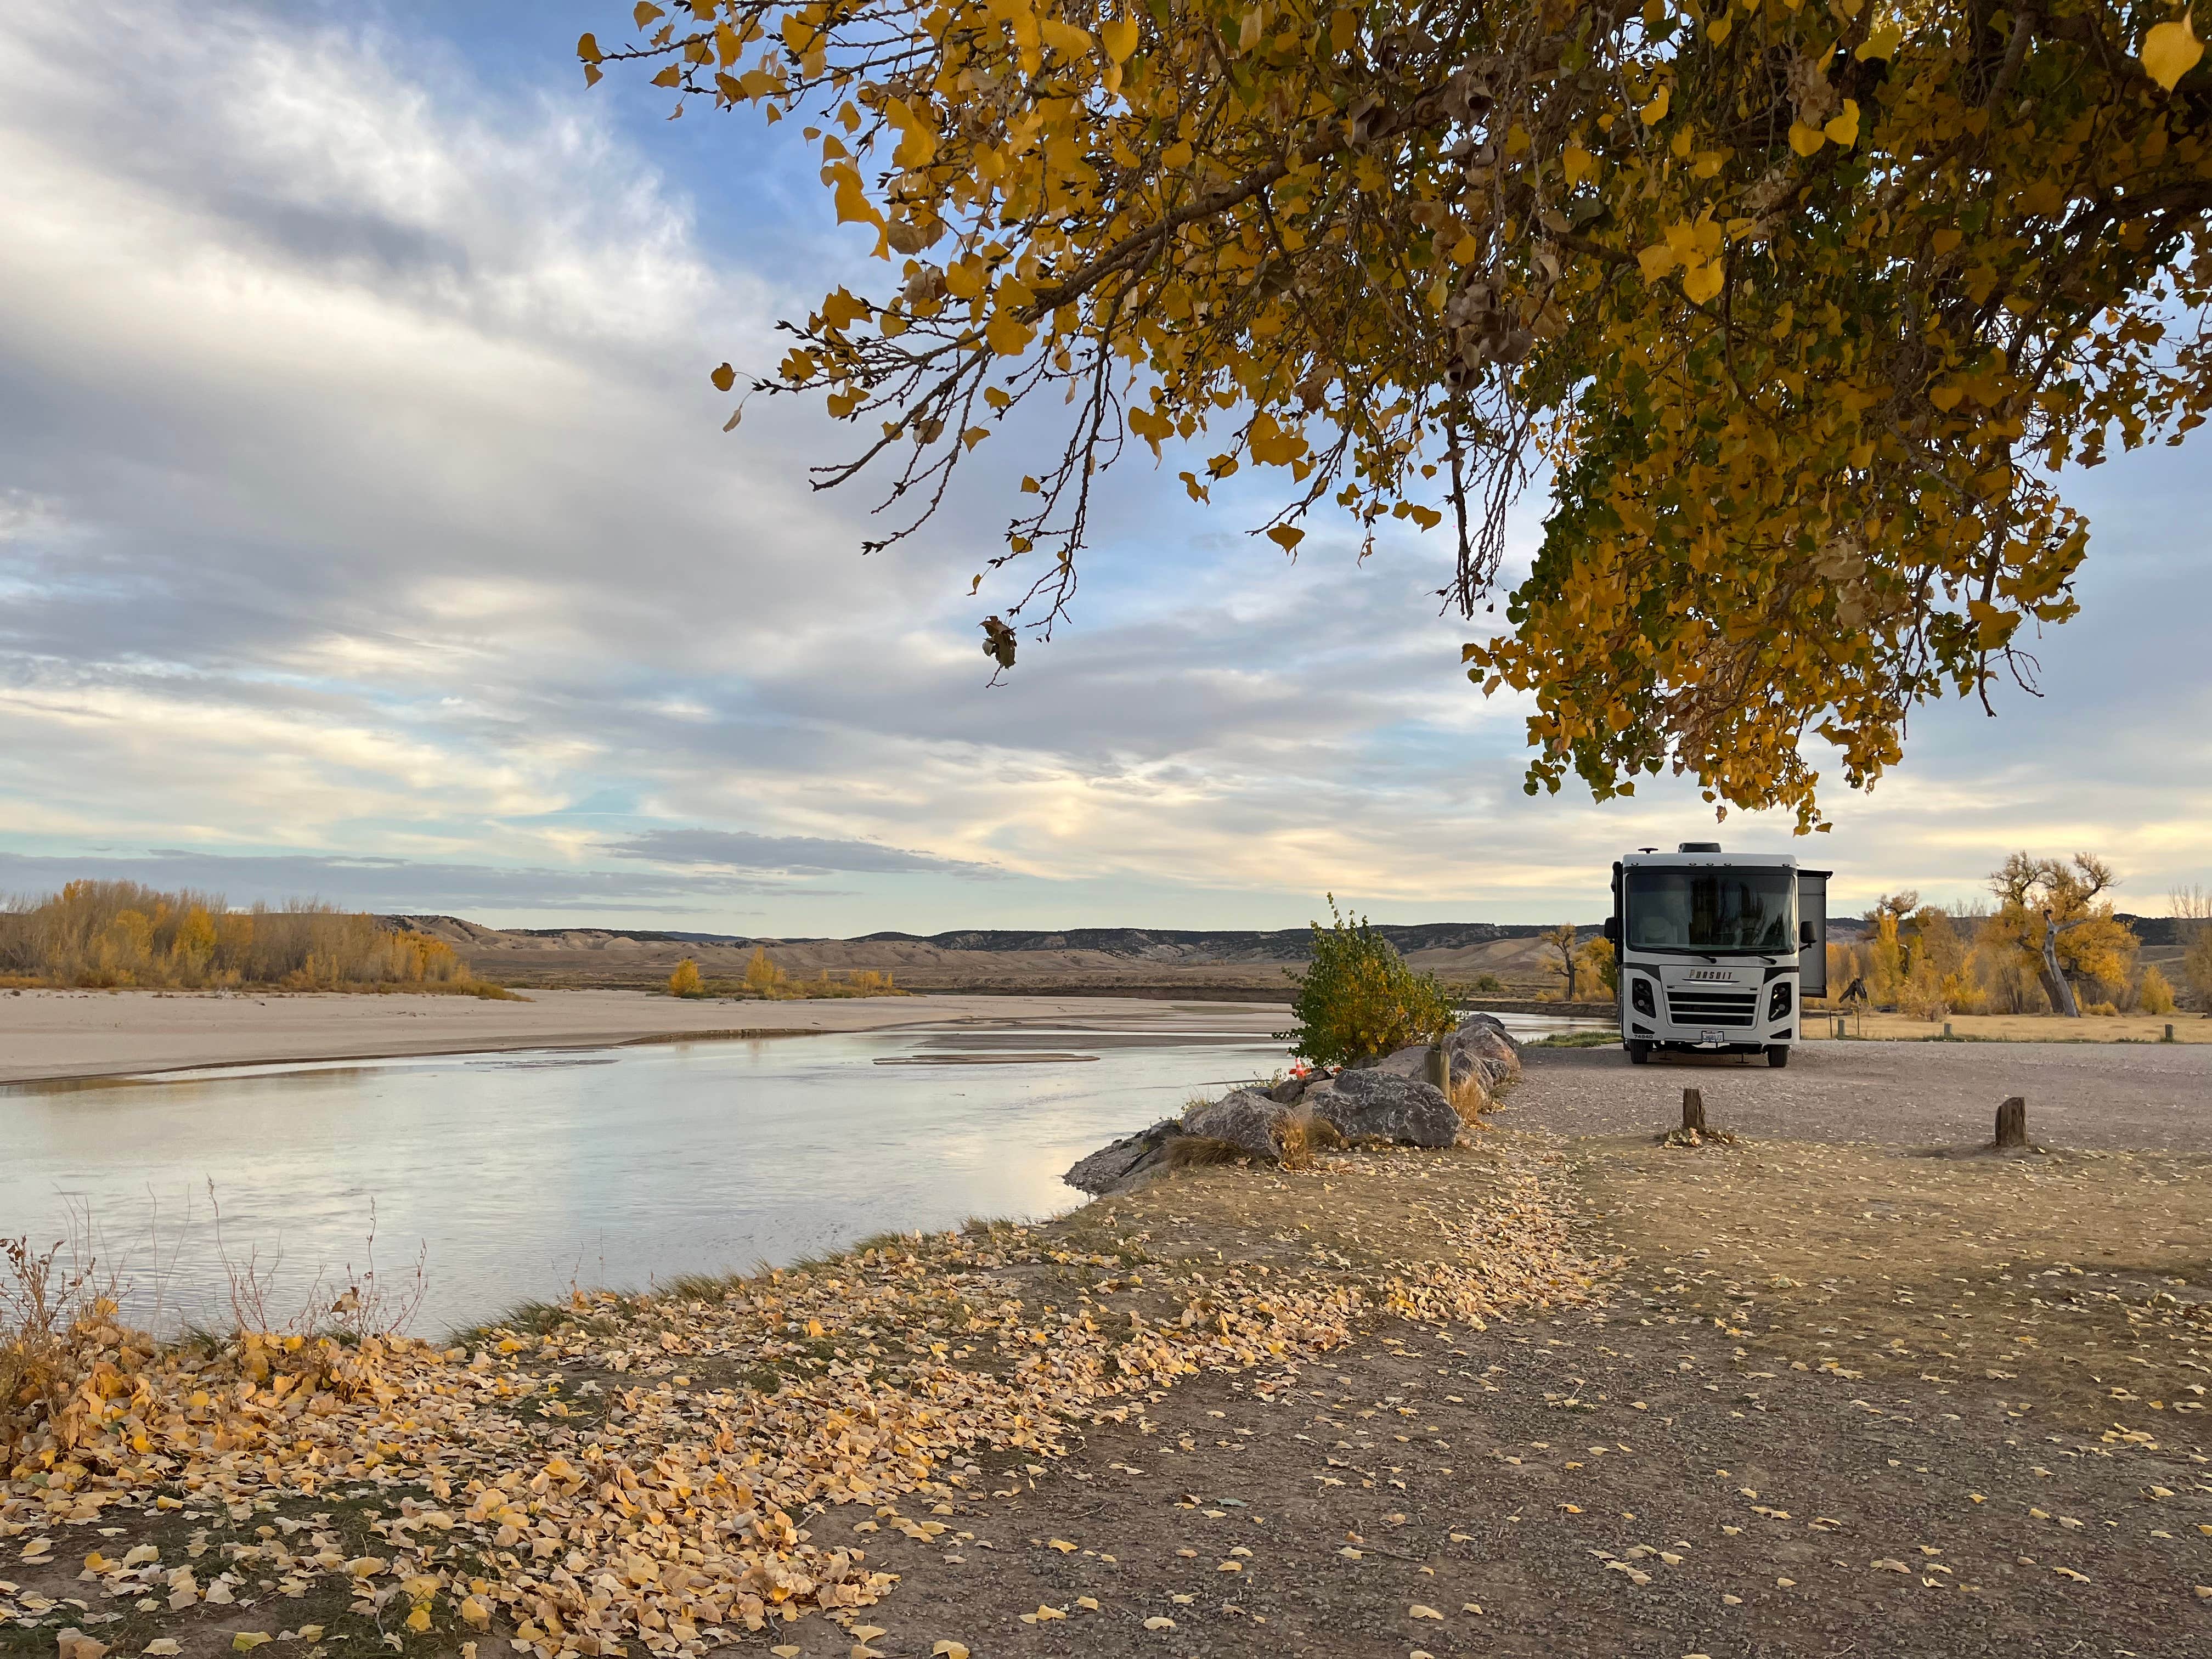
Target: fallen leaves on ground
(630,1475)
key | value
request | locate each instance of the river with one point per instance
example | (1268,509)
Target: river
(471,1184)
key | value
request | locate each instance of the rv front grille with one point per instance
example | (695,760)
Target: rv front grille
(1686,1006)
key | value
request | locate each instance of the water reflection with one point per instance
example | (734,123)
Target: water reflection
(514,1176)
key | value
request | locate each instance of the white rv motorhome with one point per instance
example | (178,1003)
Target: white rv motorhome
(1716,951)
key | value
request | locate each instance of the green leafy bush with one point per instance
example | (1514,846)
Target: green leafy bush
(1358,1001)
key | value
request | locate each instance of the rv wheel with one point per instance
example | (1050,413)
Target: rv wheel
(1778,1055)
(1639,1053)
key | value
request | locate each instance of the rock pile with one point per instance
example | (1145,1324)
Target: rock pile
(1390,1101)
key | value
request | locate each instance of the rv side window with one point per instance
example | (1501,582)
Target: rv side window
(1712,910)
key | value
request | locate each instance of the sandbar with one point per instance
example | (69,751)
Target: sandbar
(46,1034)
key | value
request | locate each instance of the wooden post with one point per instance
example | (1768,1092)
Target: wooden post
(2012,1124)
(1693,1112)
(1440,1068)
(2169,1034)
(1947,1029)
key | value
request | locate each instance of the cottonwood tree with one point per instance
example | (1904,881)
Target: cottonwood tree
(1806,305)
(1560,940)
(2055,913)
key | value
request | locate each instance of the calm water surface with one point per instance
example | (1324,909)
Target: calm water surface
(514,1176)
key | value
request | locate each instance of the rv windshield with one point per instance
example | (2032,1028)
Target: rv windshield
(1712,910)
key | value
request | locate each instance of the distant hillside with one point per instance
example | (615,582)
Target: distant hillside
(1120,961)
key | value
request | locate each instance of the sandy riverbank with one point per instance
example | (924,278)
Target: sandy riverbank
(79,1034)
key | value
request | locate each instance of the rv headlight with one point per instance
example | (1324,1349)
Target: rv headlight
(1777,1005)
(1639,997)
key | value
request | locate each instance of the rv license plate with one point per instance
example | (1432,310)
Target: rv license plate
(1711,1039)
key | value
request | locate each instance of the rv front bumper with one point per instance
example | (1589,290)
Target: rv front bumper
(1709,1012)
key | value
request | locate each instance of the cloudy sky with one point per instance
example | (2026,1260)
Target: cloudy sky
(367,530)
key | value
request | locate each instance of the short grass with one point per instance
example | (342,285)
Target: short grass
(1820,1024)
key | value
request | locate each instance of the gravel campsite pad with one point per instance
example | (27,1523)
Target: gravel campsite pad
(1780,1437)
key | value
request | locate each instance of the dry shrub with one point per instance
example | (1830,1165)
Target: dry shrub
(353,1306)
(41,1302)
(1191,1152)
(1303,1134)
(1470,1100)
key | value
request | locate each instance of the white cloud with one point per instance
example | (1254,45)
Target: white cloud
(361,494)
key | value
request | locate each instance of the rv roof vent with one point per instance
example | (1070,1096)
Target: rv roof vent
(1698,846)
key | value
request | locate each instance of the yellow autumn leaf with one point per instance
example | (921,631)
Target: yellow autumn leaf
(1804,139)
(1844,130)
(1062,1545)
(1656,111)
(419,1620)
(1881,44)
(1157,1622)
(724,378)
(1701,283)
(474,1613)
(1286,536)
(1008,334)
(161,1647)
(948,1649)
(1656,261)
(1119,37)
(2171,49)
(1417,1611)
(247,1640)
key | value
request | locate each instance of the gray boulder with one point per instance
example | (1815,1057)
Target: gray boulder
(1110,1167)
(1286,1092)
(1244,1119)
(1481,1049)
(1411,1060)
(1378,1105)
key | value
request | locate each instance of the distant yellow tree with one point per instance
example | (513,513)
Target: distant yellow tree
(2154,995)
(685,980)
(1886,965)
(2196,967)
(2053,913)
(1601,965)
(763,977)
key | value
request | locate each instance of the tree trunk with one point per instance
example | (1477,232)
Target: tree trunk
(1693,1112)
(2054,977)
(2012,1124)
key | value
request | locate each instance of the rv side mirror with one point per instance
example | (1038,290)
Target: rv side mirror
(1612,930)
(1805,934)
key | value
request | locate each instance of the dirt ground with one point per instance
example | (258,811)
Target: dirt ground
(2151,1095)
(1725,1459)
(1825,1397)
